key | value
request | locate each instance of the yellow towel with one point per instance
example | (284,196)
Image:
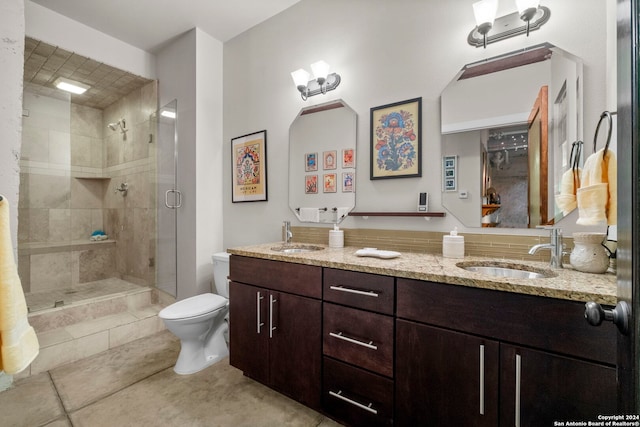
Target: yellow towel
(597,196)
(569,183)
(18,341)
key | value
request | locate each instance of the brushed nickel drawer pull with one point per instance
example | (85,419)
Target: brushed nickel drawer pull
(354,291)
(353,402)
(518,388)
(259,323)
(339,335)
(482,379)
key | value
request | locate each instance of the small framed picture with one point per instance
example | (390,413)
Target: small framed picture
(449,176)
(348,158)
(311,184)
(329,183)
(347,182)
(311,162)
(330,160)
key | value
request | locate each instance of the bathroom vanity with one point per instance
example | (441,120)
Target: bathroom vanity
(417,340)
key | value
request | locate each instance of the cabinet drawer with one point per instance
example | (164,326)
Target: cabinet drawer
(542,322)
(299,279)
(358,337)
(361,290)
(357,397)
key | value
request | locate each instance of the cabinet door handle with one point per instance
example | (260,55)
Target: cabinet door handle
(339,335)
(518,381)
(353,402)
(272,328)
(482,379)
(354,291)
(258,299)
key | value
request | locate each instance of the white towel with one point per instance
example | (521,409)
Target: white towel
(19,344)
(309,215)
(597,196)
(569,183)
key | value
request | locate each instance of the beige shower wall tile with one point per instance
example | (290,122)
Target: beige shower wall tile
(81,227)
(59,225)
(86,121)
(49,191)
(59,148)
(38,220)
(87,193)
(81,150)
(35,144)
(50,271)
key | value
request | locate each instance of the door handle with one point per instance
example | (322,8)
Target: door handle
(620,315)
(178,198)
(272,328)
(258,299)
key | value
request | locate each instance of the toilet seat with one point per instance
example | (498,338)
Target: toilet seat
(193,306)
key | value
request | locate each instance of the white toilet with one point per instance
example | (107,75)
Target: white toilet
(200,322)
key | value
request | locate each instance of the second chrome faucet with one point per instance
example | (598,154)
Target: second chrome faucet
(556,247)
(287,235)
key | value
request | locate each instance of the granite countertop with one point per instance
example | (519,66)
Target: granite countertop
(567,283)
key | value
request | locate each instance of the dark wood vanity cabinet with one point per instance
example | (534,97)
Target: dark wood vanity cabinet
(275,325)
(358,347)
(468,356)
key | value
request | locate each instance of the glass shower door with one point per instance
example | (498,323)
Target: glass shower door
(168,199)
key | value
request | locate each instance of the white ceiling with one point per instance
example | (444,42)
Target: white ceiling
(147,24)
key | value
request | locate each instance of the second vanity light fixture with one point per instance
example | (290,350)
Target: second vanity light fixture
(322,81)
(489,29)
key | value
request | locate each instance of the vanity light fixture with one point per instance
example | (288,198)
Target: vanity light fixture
(530,16)
(70,86)
(322,81)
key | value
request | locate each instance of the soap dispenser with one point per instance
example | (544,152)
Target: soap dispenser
(453,245)
(336,237)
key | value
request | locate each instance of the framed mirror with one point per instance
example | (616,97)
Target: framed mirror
(511,122)
(322,162)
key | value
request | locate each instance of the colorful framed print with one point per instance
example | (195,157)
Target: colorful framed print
(329,183)
(348,181)
(329,160)
(396,143)
(311,184)
(449,174)
(249,166)
(311,162)
(348,158)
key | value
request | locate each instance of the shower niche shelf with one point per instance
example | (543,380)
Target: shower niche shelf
(104,178)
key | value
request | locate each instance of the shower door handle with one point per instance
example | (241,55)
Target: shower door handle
(178,198)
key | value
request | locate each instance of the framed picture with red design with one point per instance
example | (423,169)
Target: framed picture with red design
(396,142)
(249,166)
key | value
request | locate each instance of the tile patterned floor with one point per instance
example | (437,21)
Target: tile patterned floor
(134,385)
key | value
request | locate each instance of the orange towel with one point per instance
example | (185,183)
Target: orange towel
(18,342)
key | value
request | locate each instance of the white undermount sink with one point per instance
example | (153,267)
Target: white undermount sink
(505,269)
(292,249)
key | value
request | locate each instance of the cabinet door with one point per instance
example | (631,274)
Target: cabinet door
(295,348)
(445,378)
(248,333)
(538,388)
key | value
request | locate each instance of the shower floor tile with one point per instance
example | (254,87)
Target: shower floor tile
(37,301)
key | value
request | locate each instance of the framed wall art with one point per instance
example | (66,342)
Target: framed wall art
(396,142)
(249,166)
(449,174)
(329,160)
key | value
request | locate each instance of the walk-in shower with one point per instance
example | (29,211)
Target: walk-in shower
(72,158)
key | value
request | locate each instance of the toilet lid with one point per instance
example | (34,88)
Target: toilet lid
(193,306)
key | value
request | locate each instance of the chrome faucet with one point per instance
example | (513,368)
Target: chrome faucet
(556,247)
(287,235)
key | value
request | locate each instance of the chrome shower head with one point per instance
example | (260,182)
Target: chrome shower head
(119,124)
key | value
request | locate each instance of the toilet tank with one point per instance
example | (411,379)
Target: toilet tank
(220,273)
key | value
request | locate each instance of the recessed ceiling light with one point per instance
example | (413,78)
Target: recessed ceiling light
(70,86)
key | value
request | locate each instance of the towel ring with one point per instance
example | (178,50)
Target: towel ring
(576,152)
(607,115)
